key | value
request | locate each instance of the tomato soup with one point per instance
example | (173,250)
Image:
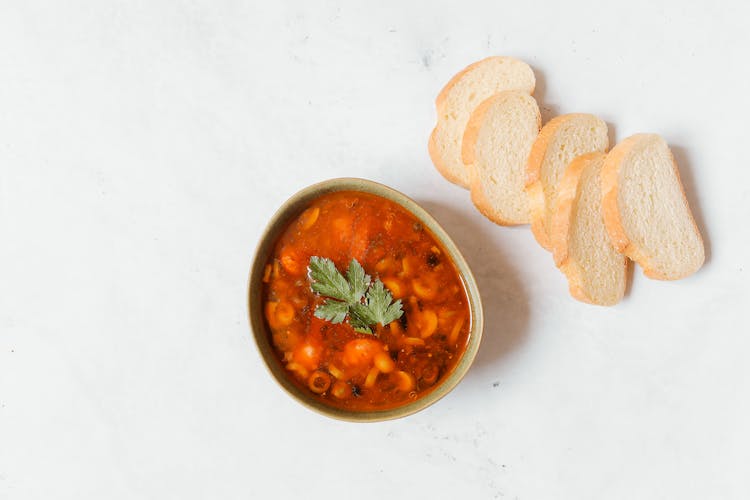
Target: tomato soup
(396,363)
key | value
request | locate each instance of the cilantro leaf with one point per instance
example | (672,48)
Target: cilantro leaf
(327,281)
(358,280)
(365,303)
(360,318)
(333,311)
(380,303)
(379,307)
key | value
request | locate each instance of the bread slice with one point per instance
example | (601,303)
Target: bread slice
(581,247)
(562,139)
(455,103)
(645,209)
(498,137)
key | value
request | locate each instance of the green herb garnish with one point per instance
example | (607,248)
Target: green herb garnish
(365,303)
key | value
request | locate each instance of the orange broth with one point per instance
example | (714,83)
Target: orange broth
(403,360)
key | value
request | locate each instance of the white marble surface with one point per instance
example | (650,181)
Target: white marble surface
(143,147)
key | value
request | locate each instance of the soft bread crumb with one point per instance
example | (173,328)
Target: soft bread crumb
(497,142)
(596,272)
(460,97)
(562,139)
(645,210)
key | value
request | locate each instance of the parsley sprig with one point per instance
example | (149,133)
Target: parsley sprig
(355,296)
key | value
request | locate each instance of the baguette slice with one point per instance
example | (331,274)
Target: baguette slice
(581,247)
(461,95)
(645,209)
(562,139)
(498,137)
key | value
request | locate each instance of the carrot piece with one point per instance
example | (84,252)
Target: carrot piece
(267,273)
(308,354)
(292,260)
(359,352)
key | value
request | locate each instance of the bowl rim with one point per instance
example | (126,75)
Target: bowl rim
(280,219)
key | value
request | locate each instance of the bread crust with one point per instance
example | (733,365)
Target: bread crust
(534,188)
(437,160)
(443,94)
(483,204)
(567,196)
(540,212)
(575,284)
(440,102)
(611,210)
(473,126)
(562,219)
(560,230)
(468,154)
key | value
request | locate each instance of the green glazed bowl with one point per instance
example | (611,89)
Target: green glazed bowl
(290,210)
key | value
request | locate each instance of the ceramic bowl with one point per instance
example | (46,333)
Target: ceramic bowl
(290,210)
